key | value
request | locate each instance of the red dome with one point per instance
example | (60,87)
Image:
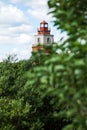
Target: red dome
(43,22)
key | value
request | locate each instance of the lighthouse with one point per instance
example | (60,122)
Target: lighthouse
(43,37)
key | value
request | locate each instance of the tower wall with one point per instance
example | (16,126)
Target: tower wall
(43,39)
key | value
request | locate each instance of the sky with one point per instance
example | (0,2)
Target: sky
(19,20)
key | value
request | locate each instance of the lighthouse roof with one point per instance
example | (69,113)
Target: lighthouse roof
(44,22)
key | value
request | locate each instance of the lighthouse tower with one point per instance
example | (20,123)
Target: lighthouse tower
(43,37)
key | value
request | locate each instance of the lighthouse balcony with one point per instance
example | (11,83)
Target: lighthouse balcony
(43,30)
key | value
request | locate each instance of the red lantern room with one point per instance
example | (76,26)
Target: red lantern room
(43,28)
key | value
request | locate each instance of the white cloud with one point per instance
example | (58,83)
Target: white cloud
(1,57)
(16,1)
(21,39)
(30,2)
(22,54)
(37,8)
(16,30)
(24,39)
(24,28)
(15,51)
(40,14)
(10,14)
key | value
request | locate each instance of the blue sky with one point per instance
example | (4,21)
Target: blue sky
(19,20)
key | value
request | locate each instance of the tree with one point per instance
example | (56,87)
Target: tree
(70,16)
(13,111)
(63,76)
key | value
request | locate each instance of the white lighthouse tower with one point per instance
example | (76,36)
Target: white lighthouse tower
(43,36)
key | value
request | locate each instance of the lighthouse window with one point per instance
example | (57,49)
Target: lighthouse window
(48,40)
(38,40)
(46,25)
(42,25)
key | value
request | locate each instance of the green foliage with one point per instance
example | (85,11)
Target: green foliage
(13,111)
(60,80)
(38,57)
(70,16)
